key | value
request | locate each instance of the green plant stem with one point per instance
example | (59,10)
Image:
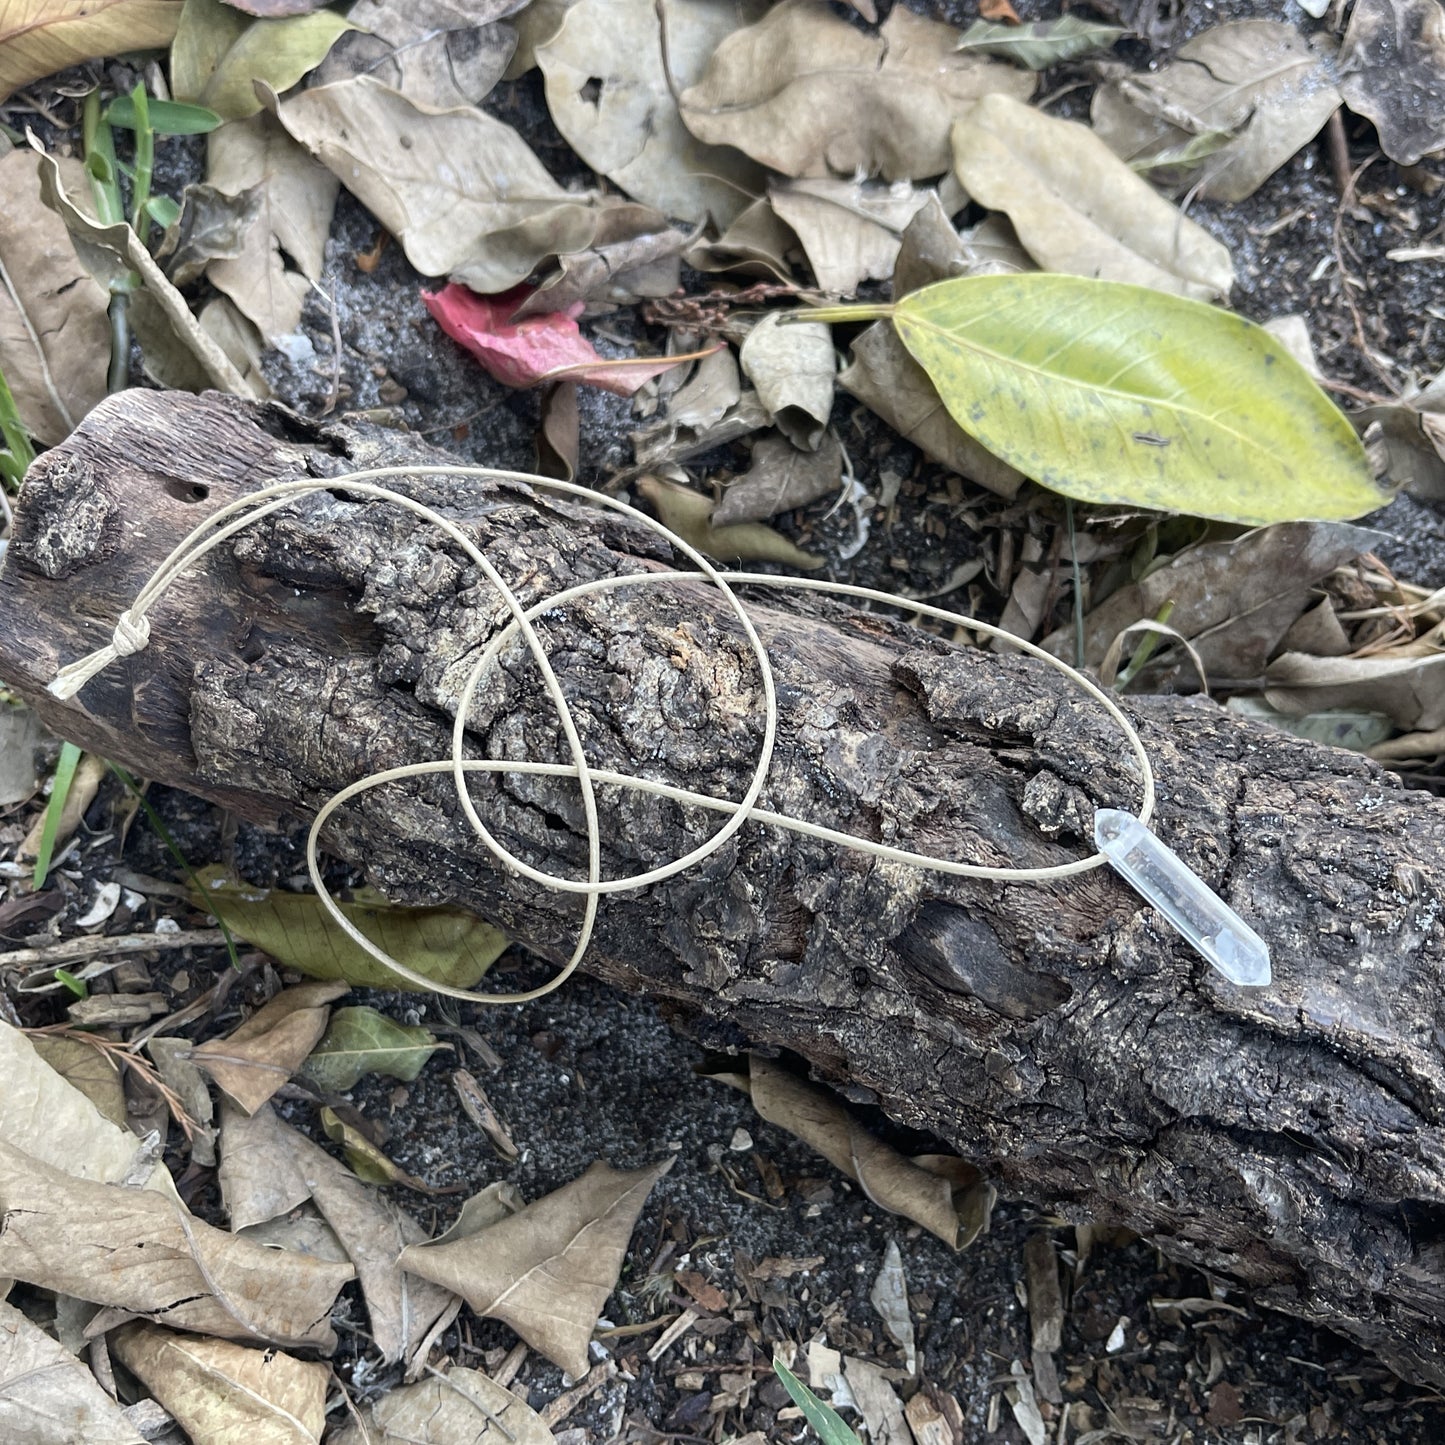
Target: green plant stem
(173,848)
(1078,587)
(1144,651)
(117,377)
(145,158)
(59,792)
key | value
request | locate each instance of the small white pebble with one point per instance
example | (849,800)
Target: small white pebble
(741,1141)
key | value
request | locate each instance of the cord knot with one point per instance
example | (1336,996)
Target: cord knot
(131,634)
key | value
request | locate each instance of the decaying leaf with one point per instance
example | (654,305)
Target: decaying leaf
(54,1123)
(1392,70)
(54,334)
(688,513)
(1359,731)
(141,1251)
(887,380)
(948,1198)
(794,370)
(460,190)
(1234,600)
(220,53)
(47,1396)
(709,411)
(631,256)
(294,198)
(1041,43)
(1411,435)
(463,1405)
(1115,393)
(112,253)
(757,244)
(225,1393)
(805,93)
(1259,85)
(211,226)
(254,1060)
(23,742)
(441,53)
(780,478)
(361,1041)
(1077,207)
(258,1175)
(850,230)
(547,1271)
(366,1157)
(1410,691)
(612,99)
(448,944)
(39,37)
(534,348)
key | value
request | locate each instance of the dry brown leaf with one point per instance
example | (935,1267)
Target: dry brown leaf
(756,244)
(887,380)
(253,1061)
(1078,208)
(559,432)
(1234,600)
(47,1397)
(547,1271)
(91,1070)
(54,332)
(805,93)
(1261,79)
(779,478)
(795,372)
(689,513)
(850,230)
(173,1062)
(943,1194)
(441,53)
(461,1406)
(613,101)
(39,37)
(258,1175)
(374,1231)
(140,1251)
(225,1394)
(295,197)
(54,1123)
(110,253)
(1410,691)
(460,190)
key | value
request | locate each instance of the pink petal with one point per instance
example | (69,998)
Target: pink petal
(524,352)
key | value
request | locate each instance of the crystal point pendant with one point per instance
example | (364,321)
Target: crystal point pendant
(1161,877)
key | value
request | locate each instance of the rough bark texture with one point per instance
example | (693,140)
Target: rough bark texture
(1060,1035)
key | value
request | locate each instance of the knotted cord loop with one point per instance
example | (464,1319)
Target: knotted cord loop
(132,632)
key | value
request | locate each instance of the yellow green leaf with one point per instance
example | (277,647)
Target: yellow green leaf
(219,54)
(361,1041)
(1121,394)
(448,945)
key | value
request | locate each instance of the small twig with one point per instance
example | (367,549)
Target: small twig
(82,950)
(1346,200)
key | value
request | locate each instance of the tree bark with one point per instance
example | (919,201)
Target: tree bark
(1059,1034)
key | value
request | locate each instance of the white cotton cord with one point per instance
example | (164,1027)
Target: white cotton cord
(133,630)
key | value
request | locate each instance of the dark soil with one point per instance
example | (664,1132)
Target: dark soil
(589,1074)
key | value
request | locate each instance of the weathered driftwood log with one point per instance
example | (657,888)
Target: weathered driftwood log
(1289,1138)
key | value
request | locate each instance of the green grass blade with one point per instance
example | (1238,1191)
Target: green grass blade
(59,792)
(827,1424)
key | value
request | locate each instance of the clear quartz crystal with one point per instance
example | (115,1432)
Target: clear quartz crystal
(1161,876)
